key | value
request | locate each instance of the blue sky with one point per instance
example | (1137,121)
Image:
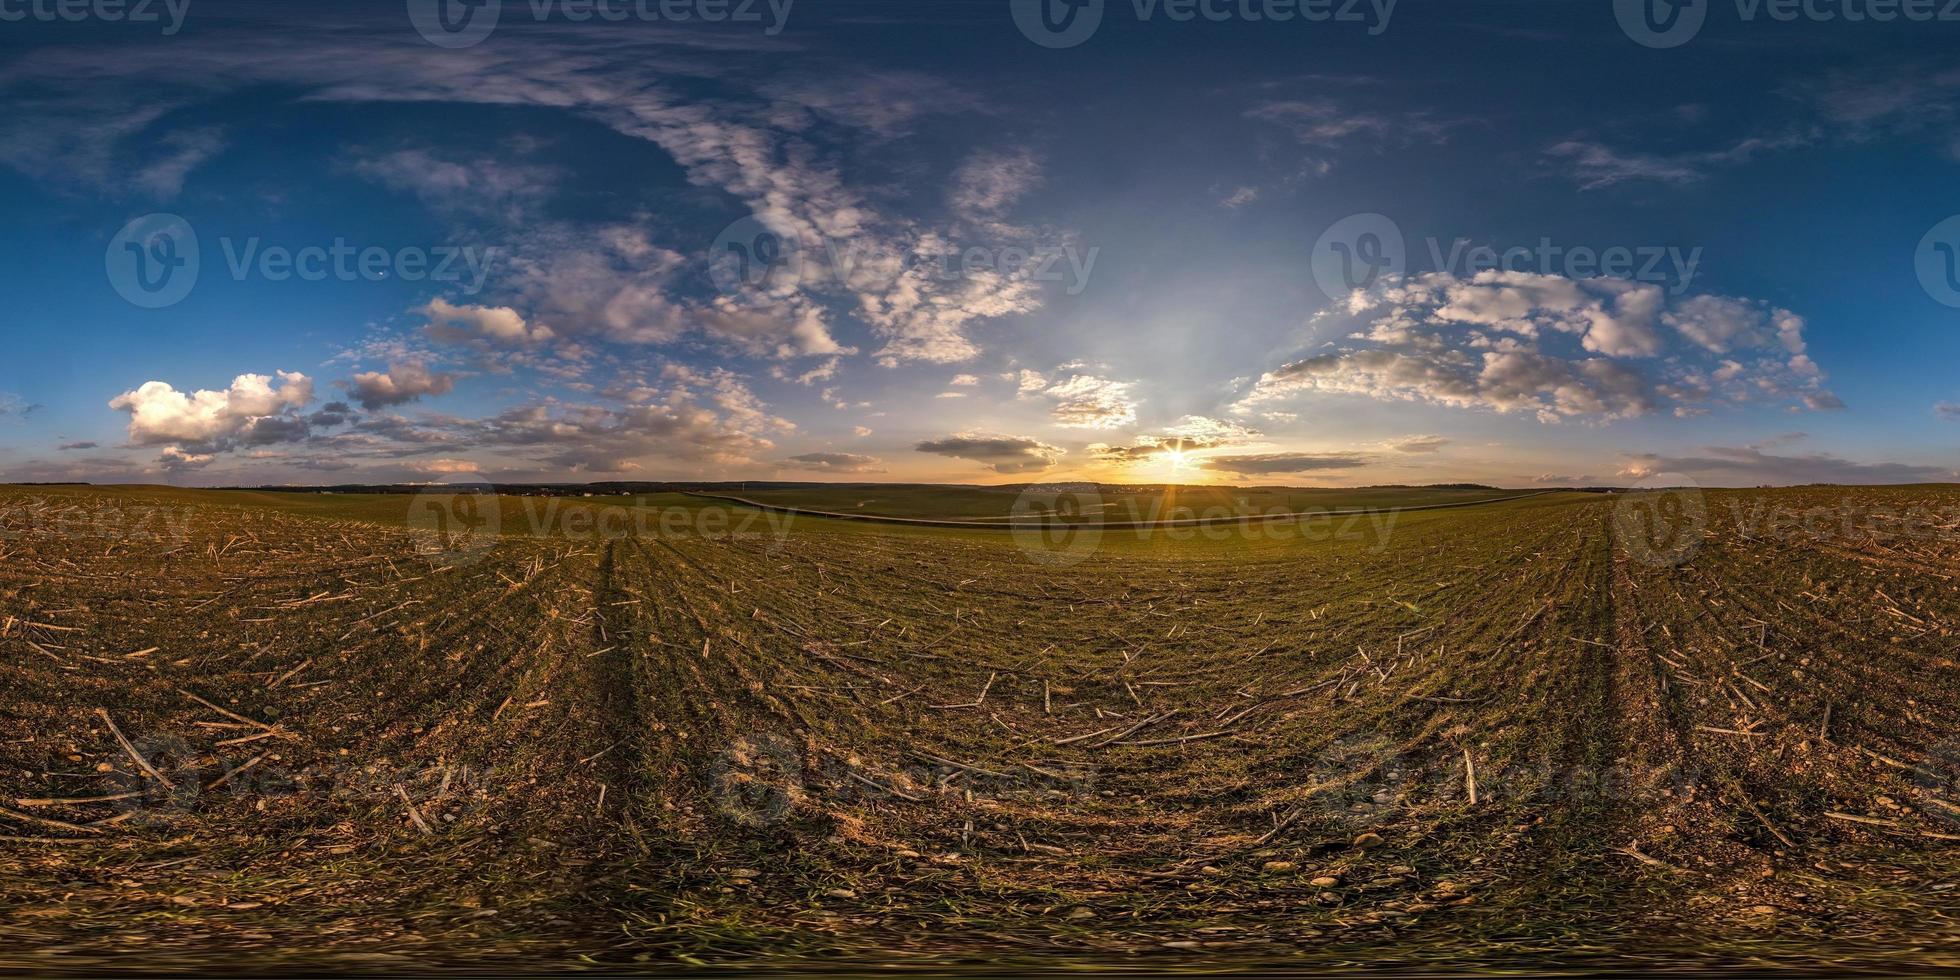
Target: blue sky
(973,257)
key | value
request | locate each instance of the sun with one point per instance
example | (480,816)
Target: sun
(1176,457)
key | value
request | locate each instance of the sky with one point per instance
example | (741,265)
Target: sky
(1305,242)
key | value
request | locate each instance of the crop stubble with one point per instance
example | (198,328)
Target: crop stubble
(893,744)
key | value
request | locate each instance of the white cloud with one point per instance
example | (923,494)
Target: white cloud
(696,417)
(484,186)
(1327,123)
(822,372)
(14,407)
(1089,402)
(988,183)
(924,314)
(68,135)
(1554,347)
(178,153)
(1418,444)
(253,409)
(835,463)
(1611,316)
(777,147)
(498,324)
(1595,165)
(443,467)
(174,459)
(1202,432)
(1720,323)
(1192,433)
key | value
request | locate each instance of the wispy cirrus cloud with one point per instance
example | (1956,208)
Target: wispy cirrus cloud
(774,145)
(835,463)
(13,407)
(1327,122)
(1594,164)
(1419,444)
(1912,102)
